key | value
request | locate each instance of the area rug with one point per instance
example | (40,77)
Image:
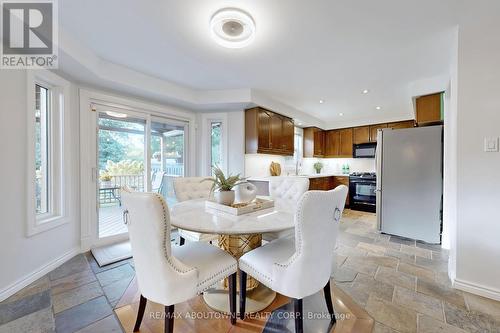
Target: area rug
(112,253)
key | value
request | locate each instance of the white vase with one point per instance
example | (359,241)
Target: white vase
(224,197)
(245,192)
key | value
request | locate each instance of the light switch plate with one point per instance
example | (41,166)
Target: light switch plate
(491,145)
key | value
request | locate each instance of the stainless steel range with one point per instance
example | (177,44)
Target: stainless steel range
(362,191)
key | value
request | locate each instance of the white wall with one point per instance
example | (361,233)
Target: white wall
(236,142)
(233,141)
(478,205)
(21,257)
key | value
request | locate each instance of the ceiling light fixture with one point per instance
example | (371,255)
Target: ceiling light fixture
(232,28)
(341,114)
(366,91)
(378,107)
(321,101)
(116,114)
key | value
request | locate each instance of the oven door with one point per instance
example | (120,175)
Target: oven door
(363,195)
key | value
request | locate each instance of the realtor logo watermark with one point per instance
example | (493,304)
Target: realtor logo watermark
(29,34)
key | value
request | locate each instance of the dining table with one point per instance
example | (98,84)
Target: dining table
(237,235)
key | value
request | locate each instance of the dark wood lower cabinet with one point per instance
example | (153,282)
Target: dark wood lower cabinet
(329,183)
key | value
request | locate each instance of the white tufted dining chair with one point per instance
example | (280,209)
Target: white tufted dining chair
(286,192)
(169,275)
(301,266)
(189,188)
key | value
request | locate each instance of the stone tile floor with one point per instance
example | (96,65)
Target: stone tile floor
(401,283)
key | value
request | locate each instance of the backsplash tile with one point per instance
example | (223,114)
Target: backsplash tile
(257,165)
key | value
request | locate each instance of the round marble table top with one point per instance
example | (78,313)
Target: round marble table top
(192,215)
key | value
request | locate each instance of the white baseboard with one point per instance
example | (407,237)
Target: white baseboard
(32,277)
(477,289)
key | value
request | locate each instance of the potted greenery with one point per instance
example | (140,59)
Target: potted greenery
(223,187)
(318,166)
(105,179)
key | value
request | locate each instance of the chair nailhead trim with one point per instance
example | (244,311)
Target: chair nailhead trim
(218,276)
(166,238)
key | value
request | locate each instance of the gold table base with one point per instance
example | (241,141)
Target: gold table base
(238,245)
(259,296)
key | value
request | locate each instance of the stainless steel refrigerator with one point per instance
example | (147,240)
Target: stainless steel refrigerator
(410,182)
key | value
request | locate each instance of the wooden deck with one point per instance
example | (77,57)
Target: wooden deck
(111,221)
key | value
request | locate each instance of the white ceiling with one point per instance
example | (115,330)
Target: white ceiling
(304,51)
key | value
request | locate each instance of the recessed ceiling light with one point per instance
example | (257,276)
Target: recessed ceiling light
(321,101)
(300,124)
(232,28)
(116,114)
(378,107)
(366,91)
(341,114)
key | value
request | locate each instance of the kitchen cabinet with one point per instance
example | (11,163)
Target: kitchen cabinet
(345,142)
(329,183)
(429,109)
(402,124)
(342,180)
(374,130)
(338,143)
(313,142)
(332,143)
(288,136)
(361,134)
(321,183)
(267,132)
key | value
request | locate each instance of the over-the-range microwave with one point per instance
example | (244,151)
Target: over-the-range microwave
(364,150)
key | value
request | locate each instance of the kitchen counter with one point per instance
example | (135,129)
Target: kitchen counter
(321,175)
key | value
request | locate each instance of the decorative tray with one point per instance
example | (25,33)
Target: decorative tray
(241,208)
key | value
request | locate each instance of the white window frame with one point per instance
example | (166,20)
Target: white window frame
(59,101)
(206,136)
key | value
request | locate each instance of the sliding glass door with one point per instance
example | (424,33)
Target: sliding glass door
(168,148)
(121,162)
(139,151)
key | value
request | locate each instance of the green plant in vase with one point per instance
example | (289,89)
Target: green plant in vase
(222,186)
(318,166)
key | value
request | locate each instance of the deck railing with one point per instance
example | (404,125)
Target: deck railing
(109,196)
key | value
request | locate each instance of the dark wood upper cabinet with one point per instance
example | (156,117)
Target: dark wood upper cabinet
(401,124)
(332,143)
(374,130)
(264,130)
(361,134)
(429,109)
(338,143)
(346,142)
(267,132)
(319,143)
(276,132)
(288,135)
(313,142)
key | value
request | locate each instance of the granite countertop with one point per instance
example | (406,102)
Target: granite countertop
(266,178)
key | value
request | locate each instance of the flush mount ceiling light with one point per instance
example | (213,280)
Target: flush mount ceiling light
(321,101)
(366,91)
(341,114)
(378,107)
(232,28)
